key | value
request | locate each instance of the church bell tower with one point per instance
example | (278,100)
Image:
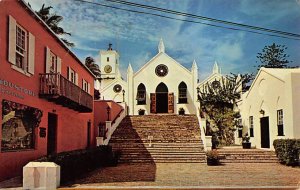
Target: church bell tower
(109,63)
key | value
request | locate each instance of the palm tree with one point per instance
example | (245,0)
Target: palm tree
(52,20)
(93,67)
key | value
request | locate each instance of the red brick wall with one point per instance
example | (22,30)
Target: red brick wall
(72,125)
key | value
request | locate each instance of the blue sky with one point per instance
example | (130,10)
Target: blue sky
(136,36)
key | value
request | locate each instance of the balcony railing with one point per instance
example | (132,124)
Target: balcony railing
(55,87)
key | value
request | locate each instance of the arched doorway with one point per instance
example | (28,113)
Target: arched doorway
(161,98)
(162,101)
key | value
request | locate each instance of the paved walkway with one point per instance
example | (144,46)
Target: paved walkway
(188,176)
(192,175)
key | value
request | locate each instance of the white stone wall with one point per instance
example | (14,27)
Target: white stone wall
(295,83)
(107,92)
(271,93)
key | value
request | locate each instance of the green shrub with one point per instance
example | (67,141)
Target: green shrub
(287,151)
(76,163)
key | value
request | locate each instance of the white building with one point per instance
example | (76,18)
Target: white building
(162,85)
(215,76)
(271,108)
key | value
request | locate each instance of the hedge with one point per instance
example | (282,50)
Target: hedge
(75,163)
(287,151)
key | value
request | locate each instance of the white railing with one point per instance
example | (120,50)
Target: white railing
(202,123)
(111,127)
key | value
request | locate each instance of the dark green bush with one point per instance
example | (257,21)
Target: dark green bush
(287,151)
(77,162)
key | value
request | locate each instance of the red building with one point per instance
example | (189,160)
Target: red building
(46,93)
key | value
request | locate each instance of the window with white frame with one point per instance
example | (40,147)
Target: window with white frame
(85,86)
(21,48)
(53,62)
(280,122)
(72,76)
(251,126)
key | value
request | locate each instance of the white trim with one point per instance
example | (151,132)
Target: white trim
(58,64)
(12,40)
(76,78)
(48,63)
(20,70)
(31,53)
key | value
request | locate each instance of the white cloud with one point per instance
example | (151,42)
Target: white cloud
(229,51)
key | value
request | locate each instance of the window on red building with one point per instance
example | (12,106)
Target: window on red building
(72,76)
(86,86)
(21,48)
(53,62)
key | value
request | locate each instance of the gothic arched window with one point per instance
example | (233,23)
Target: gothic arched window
(182,93)
(141,94)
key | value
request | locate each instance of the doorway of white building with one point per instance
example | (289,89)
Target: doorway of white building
(162,101)
(265,132)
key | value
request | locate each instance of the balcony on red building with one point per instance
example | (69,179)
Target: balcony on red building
(54,87)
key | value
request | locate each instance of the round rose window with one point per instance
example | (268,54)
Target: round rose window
(161,70)
(117,88)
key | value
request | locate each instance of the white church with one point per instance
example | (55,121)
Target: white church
(162,85)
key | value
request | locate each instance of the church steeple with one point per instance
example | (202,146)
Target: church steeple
(194,66)
(161,46)
(216,68)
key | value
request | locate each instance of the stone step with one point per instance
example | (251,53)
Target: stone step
(163,161)
(163,153)
(175,139)
(161,150)
(162,144)
(238,155)
(131,140)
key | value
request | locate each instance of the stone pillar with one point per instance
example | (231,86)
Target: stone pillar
(208,142)
(41,175)
(99,141)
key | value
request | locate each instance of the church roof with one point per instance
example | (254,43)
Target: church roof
(158,55)
(161,51)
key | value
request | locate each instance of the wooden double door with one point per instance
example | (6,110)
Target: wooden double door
(162,102)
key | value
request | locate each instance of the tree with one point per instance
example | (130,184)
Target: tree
(243,79)
(273,56)
(93,67)
(53,20)
(217,104)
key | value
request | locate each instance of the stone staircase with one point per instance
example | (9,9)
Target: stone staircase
(176,139)
(240,155)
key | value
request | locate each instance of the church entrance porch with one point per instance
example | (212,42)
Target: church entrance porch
(162,101)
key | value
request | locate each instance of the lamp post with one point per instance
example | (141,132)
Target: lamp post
(108,112)
(123,91)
